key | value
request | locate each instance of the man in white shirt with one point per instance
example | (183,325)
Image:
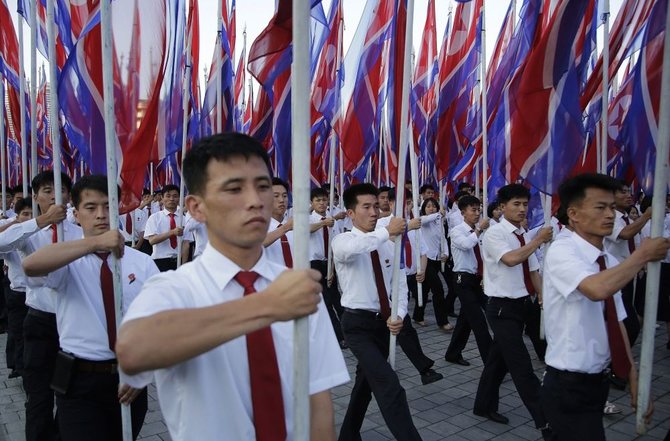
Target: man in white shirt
(133,224)
(510,278)
(163,228)
(363,259)
(279,240)
(584,311)
(79,271)
(222,356)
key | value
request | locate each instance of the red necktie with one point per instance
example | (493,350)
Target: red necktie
(266,394)
(107,288)
(384,308)
(173,225)
(631,241)
(286,250)
(526,269)
(54,233)
(478,257)
(620,361)
(129,223)
(408,252)
(325,240)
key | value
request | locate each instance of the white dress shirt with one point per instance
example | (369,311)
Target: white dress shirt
(412,236)
(454,217)
(575,325)
(209,396)
(615,246)
(351,253)
(501,280)
(646,232)
(274,250)
(159,223)
(196,231)
(80,311)
(15,274)
(316,249)
(27,237)
(463,242)
(140,221)
(432,235)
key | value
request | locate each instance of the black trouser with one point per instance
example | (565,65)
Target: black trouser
(368,339)
(167,264)
(409,342)
(4,287)
(533,313)
(433,283)
(573,404)
(90,410)
(450,299)
(40,336)
(473,300)
(331,296)
(16,313)
(508,352)
(631,322)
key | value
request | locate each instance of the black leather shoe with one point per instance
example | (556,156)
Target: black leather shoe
(458,360)
(453,314)
(343,344)
(547,434)
(493,416)
(14,374)
(430,376)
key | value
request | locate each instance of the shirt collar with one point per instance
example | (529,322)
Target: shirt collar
(509,227)
(587,249)
(222,270)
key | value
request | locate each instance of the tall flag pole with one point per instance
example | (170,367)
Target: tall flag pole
(300,136)
(484,112)
(33,96)
(219,67)
(53,111)
(3,150)
(112,186)
(23,138)
(604,121)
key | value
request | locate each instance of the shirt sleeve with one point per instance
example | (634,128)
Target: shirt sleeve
(618,226)
(347,246)
(620,308)
(463,240)
(327,368)
(14,237)
(564,269)
(495,244)
(151,228)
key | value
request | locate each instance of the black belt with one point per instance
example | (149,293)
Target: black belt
(578,376)
(110,367)
(509,299)
(41,314)
(364,313)
(167,258)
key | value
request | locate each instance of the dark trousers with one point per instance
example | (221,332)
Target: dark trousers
(450,299)
(473,300)
(331,296)
(631,322)
(433,283)
(573,404)
(532,330)
(408,340)
(4,287)
(16,313)
(166,264)
(508,352)
(39,356)
(368,339)
(90,410)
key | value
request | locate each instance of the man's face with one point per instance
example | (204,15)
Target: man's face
(46,196)
(623,198)
(8,199)
(471,214)
(24,215)
(594,216)
(430,208)
(146,198)
(364,216)
(236,203)
(497,212)
(515,210)
(171,200)
(320,204)
(158,197)
(92,213)
(383,199)
(280,201)
(17,197)
(428,193)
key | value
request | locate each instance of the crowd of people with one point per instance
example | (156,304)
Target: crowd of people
(208,303)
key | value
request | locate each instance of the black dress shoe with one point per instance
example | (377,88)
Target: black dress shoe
(430,376)
(343,344)
(14,374)
(453,314)
(493,416)
(458,360)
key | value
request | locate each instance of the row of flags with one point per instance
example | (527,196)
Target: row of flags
(542,89)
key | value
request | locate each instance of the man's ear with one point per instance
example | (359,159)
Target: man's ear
(195,206)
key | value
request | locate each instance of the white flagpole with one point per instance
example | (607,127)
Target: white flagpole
(22,119)
(414,168)
(331,203)
(3,154)
(605,86)
(33,94)
(219,68)
(300,128)
(53,111)
(484,110)
(110,146)
(402,161)
(658,213)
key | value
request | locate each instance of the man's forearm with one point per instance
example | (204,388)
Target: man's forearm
(52,257)
(160,237)
(322,422)
(515,257)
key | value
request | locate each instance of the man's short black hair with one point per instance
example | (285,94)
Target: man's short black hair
(459,194)
(573,190)
(645,203)
(317,193)
(383,189)
(47,178)
(22,204)
(392,195)
(88,182)
(464,186)
(511,191)
(492,206)
(278,181)
(170,187)
(425,203)
(425,187)
(221,147)
(352,193)
(10,191)
(145,192)
(468,201)
(621,184)
(562,215)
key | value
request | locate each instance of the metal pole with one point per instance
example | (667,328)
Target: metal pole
(22,119)
(151,180)
(33,95)
(331,180)
(184,133)
(217,75)
(657,217)
(484,109)
(414,169)
(402,160)
(110,145)
(605,86)
(53,111)
(3,154)
(300,128)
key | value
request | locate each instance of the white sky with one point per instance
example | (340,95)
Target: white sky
(255,15)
